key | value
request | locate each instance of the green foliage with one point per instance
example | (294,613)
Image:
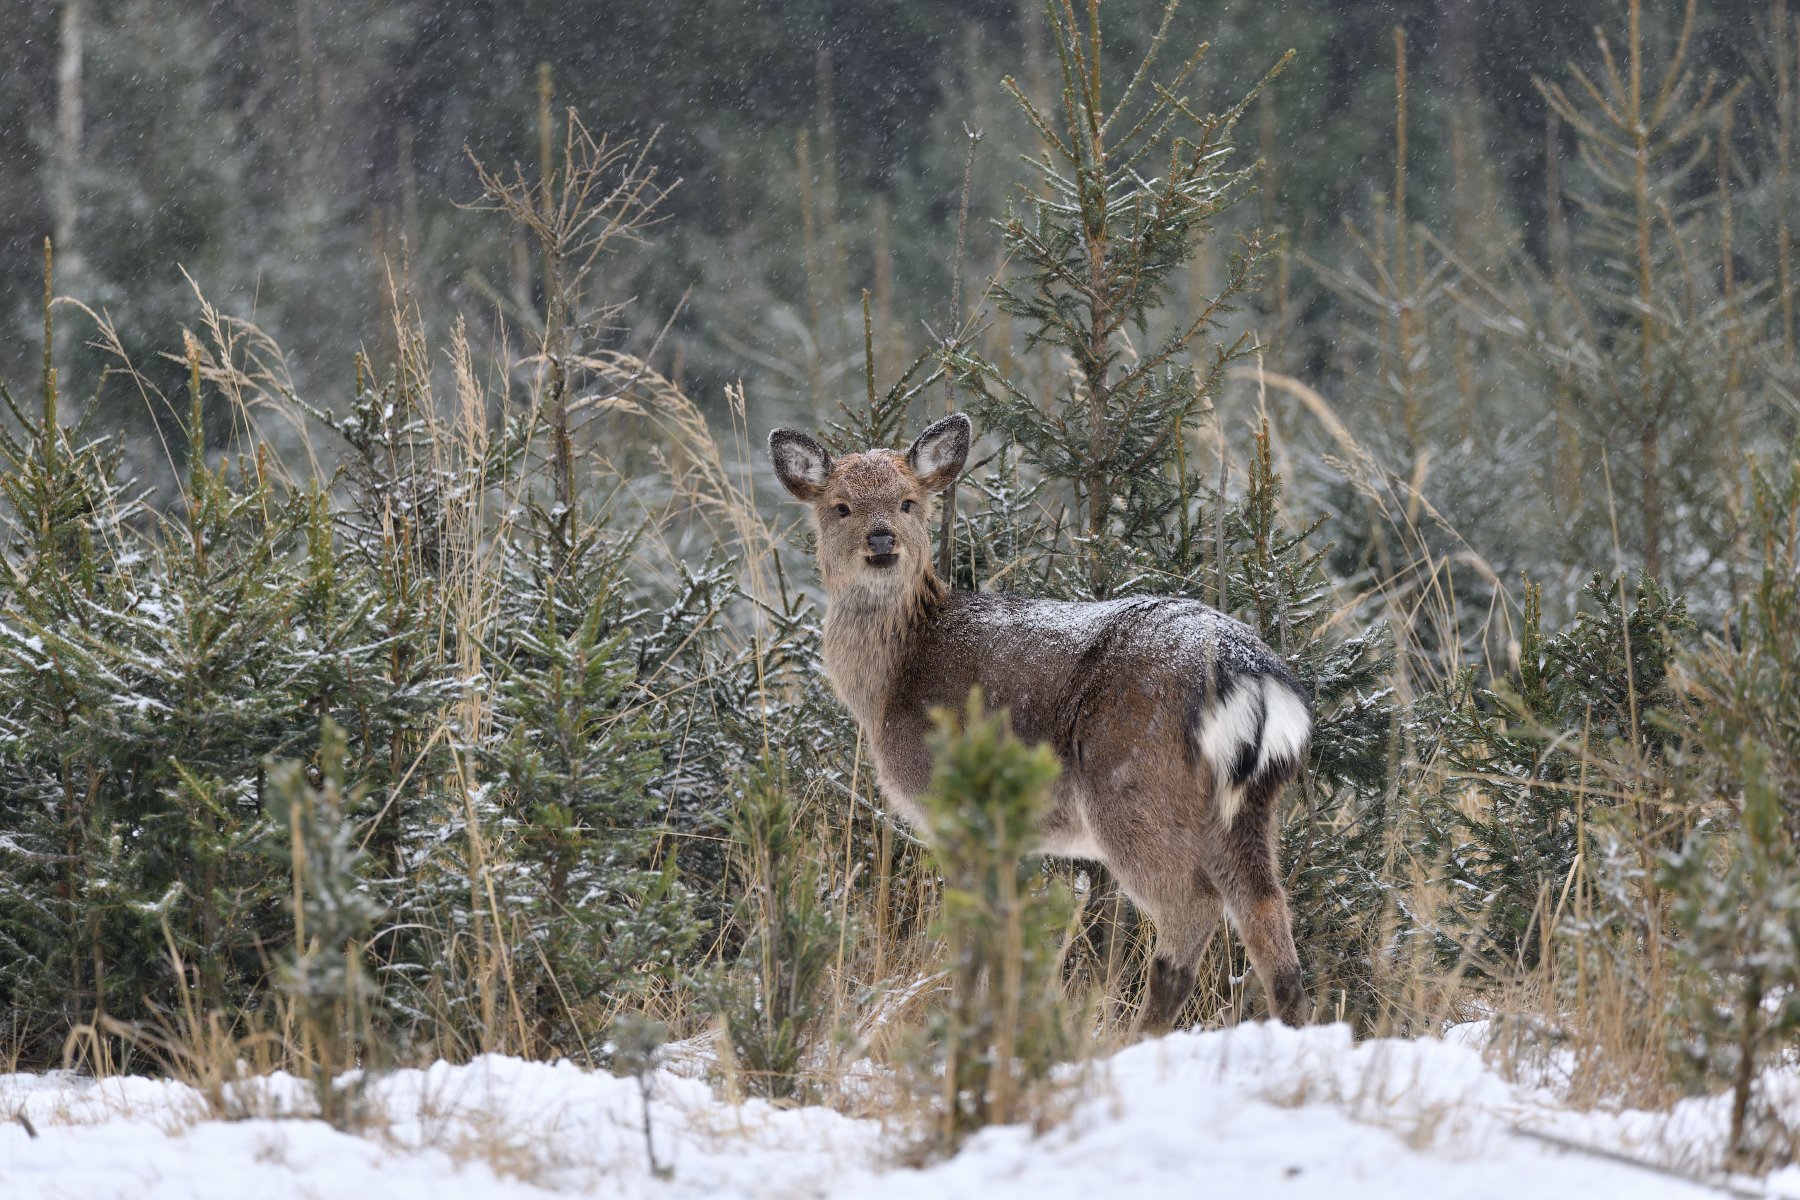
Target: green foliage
(1650,351)
(1735,882)
(574,763)
(1095,249)
(1007,1020)
(1736,900)
(147,675)
(1274,576)
(326,980)
(773,1001)
(1337,844)
(1521,758)
(152,664)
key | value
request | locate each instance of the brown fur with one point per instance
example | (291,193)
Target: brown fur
(1117,690)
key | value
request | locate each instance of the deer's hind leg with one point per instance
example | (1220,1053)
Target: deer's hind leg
(1241,862)
(1136,783)
(1186,914)
(1163,874)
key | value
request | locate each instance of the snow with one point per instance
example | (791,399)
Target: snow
(1231,1112)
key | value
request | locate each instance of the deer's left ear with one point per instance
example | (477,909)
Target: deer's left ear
(937,457)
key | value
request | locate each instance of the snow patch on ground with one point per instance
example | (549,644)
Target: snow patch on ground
(1230,1112)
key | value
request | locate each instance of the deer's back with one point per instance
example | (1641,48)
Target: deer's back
(1106,684)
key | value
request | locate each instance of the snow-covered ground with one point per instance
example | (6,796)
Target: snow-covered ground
(1252,1111)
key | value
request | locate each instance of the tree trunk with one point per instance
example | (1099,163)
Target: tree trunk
(1650,410)
(64,206)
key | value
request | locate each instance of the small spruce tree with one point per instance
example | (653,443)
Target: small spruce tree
(773,1001)
(325,978)
(1007,1020)
(1130,189)
(1096,251)
(574,758)
(1582,696)
(1734,884)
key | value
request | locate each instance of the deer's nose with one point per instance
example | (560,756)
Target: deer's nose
(881,542)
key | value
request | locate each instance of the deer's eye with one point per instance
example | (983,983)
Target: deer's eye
(843,510)
(906,506)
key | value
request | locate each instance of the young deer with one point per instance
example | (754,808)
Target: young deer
(1177,728)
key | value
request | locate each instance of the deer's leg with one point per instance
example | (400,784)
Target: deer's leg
(1185,920)
(1153,834)
(1243,866)
(1165,881)
(1262,920)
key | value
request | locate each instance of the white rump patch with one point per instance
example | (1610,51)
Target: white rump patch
(1263,714)
(1226,730)
(1287,727)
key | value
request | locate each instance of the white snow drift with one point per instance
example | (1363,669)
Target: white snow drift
(1260,1110)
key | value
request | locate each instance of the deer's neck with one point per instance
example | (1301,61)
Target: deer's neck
(868,633)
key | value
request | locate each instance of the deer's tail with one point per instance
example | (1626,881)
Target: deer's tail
(1254,735)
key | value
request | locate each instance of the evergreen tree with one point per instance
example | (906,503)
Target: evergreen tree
(1099,251)
(1735,881)
(1095,251)
(147,670)
(1008,1020)
(773,1001)
(1581,696)
(575,756)
(326,980)
(67,539)
(149,673)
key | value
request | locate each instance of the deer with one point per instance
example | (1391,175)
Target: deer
(1176,727)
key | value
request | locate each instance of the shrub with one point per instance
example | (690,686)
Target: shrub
(772,1002)
(1734,884)
(325,980)
(1007,1020)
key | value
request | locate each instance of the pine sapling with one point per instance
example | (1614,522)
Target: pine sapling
(773,1001)
(326,982)
(1007,1019)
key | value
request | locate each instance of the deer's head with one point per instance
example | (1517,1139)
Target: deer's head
(870,509)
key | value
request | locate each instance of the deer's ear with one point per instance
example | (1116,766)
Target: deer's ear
(800,463)
(937,457)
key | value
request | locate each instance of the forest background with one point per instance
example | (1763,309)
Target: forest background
(399,416)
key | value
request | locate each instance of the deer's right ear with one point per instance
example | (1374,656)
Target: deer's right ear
(800,463)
